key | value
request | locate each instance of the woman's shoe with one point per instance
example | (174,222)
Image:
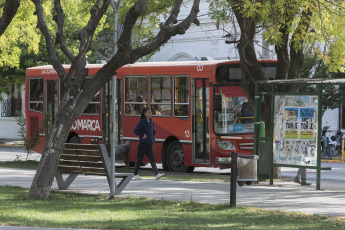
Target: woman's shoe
(297,180)
(304,182)
(137,177)
(159,175)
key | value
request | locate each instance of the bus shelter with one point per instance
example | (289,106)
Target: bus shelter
(294,139)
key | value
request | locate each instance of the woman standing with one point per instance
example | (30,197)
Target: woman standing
(145,129)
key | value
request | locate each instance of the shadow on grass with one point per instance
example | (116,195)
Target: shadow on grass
(91,211)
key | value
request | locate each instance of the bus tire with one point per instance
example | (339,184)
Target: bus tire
(240,183)
(175,158)
(75,139)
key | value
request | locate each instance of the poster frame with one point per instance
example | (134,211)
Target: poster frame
(271,89)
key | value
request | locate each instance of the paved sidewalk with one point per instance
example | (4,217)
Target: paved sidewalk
(11,142)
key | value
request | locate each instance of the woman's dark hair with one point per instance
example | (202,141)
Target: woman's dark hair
(143,112)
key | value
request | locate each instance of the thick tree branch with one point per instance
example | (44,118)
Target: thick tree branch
(125,40)
(282,51)
(85,37)
(59,18)
(77,69)
(86,34)
(10,10)
(251,69)
(168,30)
(42,25)
(172,19)
(296,54)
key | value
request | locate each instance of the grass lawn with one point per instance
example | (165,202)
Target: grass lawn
(30,164)
(91,211)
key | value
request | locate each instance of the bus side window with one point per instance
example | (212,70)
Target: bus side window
(160,95)
(135,94)
(36,94)
(94,106)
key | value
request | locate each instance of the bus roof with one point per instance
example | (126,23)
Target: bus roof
(125,68)
(191,63)
(65,66)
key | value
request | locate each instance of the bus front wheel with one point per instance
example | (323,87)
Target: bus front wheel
(175,158)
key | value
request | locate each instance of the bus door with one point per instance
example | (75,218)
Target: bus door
(107,113)
(51,106)
(200,116)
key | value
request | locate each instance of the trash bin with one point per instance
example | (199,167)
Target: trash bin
(247,168)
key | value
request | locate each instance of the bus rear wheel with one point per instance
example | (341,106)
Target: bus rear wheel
(175,158)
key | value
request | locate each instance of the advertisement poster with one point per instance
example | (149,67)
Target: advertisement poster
(295,130)
(290,123)
(307,120)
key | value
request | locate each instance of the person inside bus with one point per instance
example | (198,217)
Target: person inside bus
(145,129)
(94,108)
(38,97)
(247,113)
(127,109)
(138,107)
(156,109)
(183,111)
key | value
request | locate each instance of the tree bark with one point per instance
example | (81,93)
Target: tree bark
(9,11)
(44,176)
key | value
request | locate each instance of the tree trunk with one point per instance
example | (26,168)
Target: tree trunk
(44,177)
(251,72)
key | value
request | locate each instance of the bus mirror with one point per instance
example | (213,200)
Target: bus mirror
(217,102)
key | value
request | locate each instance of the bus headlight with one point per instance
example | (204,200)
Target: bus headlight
(226,145)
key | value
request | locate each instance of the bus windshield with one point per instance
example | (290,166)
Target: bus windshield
(232,114)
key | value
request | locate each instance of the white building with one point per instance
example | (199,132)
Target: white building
(204,41)
(8,107)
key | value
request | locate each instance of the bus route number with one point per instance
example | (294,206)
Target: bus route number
(200,68)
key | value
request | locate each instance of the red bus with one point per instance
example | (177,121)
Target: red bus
(201,114)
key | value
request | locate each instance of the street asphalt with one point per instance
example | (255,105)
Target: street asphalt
(283,195)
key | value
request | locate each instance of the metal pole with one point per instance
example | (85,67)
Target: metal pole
(342,150)
(257,118)
(113,136)
(271,134)
(318,141)
(233,179)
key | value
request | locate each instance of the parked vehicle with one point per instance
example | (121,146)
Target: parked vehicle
(334,147)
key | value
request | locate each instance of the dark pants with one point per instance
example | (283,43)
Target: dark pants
(302,172)
(142,150)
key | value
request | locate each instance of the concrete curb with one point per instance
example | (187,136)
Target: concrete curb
(11,143)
